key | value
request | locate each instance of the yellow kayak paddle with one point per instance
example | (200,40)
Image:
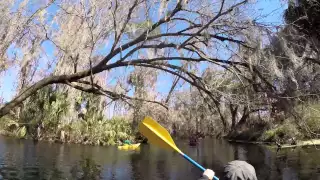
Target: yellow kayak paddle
(158,135)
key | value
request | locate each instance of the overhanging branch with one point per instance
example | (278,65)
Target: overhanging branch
(112,95)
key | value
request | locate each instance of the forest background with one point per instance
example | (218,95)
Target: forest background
(87,71)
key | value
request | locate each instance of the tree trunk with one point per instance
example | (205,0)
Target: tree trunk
(223,120)
(234,111)
(244,117)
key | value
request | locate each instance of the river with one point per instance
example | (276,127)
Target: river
(23,159)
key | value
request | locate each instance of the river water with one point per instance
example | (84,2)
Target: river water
(23,159)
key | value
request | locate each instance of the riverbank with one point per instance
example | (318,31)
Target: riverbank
(297,129)
(105,132)
(284,135)
(79,142)
(311,142)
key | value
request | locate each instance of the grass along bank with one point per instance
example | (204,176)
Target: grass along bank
(290,132)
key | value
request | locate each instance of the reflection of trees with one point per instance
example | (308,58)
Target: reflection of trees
(86,169)
(283,168)
(257,157)
(150,163)
(134,160)
(217,153)
(114,164)
(140,163)
(30,173)
(50,163)
(24,161)
(300,163)
(286,164)
(54,174)
(162,165)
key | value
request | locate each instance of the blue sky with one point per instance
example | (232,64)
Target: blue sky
(272,8)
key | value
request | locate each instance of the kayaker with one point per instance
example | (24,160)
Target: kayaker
(128,142)
(234,170)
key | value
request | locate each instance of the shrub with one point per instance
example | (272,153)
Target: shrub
(11,127)
(311,117)
(283,132)
(104,132)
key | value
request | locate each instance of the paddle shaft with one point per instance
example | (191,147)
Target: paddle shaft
(196,164)
(157,134)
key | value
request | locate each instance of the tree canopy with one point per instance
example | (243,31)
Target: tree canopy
(90,54)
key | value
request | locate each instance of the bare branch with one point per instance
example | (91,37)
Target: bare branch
(142,37)
(117,38)
(112,95)
(220,13)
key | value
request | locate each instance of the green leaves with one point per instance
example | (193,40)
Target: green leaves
(105,132)
(21,132)
(52,107)
(11,123)
(134,29)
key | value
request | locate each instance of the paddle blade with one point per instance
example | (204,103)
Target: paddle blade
(157,134)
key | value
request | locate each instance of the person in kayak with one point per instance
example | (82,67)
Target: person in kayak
(234,170)
(128,142)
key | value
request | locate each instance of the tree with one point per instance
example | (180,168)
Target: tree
(79,31)
(283,73)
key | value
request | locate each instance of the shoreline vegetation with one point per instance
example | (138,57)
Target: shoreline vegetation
(220,71)
(139,139)
(46,116)
(118,129)
(300,143)
(105,132)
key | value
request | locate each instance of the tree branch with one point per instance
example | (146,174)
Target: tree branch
(142,37)
(112,95)
(117,38)
(220,13)
(174,84)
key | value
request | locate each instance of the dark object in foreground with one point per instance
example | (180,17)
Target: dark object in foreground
(237,170)
(193,141)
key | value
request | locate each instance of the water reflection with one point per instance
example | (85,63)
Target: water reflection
(20,159)
(86,169)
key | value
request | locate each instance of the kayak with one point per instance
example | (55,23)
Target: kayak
(129,147)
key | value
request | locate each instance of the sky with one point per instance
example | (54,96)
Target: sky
(272,8)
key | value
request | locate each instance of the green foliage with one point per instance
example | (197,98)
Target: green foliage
(283,132)
(269,135)
(139,27)
(94,128)
(311,119)
(104,132)
(305,128)
(12,128)
(21,132)
(6,123)
(314,124)
(288,130)
(50,106)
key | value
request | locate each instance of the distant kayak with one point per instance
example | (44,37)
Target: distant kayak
(129,146)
